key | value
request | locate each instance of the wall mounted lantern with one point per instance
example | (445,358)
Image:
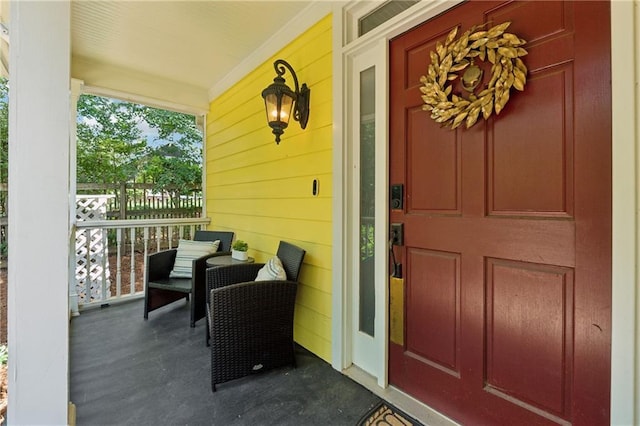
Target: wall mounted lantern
(280,101)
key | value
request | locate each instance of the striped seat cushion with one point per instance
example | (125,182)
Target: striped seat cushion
(188,251)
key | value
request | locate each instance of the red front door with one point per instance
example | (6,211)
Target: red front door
(507,245)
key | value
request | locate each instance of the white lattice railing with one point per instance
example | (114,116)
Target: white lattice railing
(92,272)
(125,245)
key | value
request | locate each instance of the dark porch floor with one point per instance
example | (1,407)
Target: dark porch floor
(128,371)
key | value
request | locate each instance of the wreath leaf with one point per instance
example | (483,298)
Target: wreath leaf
(478,35)
(451,36)
(498,29)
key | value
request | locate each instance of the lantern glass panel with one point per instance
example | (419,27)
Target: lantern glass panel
(285,109)
(273,113)
(271,106)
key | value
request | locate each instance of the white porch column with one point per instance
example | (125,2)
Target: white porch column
(38,311)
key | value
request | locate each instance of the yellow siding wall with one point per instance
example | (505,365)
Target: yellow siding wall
(263,191)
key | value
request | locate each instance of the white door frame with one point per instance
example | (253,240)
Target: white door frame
(625,346)
(368,353)
(373,45)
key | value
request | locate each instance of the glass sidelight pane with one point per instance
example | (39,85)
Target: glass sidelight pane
(367,200)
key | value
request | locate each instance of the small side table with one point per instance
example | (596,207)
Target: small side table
(226,260)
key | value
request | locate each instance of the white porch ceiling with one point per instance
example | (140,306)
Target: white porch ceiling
(170,51)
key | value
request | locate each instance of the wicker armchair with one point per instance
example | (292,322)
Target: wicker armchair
(160,289)
(251,322)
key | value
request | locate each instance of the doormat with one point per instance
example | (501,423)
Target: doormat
(387,415)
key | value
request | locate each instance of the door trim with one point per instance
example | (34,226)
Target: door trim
(625,335)
(376,42)
(371,57)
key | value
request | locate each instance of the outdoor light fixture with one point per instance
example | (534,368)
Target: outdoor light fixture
(280,101)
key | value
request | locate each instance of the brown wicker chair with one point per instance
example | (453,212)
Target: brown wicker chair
(160,289)
(251,322)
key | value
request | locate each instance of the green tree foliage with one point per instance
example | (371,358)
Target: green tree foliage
(112,147)
(175,128)
(110,141)
(175,165)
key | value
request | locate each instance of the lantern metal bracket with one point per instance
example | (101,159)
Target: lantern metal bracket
(300,97)
(301,108)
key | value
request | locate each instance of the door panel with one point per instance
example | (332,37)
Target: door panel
(508,226)
(519,295)
(434,167)
(534,179)
(432,303)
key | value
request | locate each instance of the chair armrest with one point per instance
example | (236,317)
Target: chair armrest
(256,310)
(160,264)
(222,276)
(255,295)
(254,299)
(220,253)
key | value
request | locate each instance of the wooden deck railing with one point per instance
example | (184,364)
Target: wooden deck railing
(110,255)
(140,201)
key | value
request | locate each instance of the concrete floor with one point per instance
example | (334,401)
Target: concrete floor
(127,371)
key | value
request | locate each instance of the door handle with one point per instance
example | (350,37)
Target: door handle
(396,239)
(397,234)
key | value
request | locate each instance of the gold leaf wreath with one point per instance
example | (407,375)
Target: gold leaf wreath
(502,49)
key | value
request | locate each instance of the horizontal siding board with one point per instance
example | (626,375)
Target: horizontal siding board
(251,169)
(242,141)
(320,47)
(271,189)
(316,277)
(321,40)
(311,298)
(238,123)
(314,343)
(260,147)
(318,256)
(302,230)
(263,191)
(311,137)
(311,320)
(314,209)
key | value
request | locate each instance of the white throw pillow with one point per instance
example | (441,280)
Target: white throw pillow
(188,251)
(272,270)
